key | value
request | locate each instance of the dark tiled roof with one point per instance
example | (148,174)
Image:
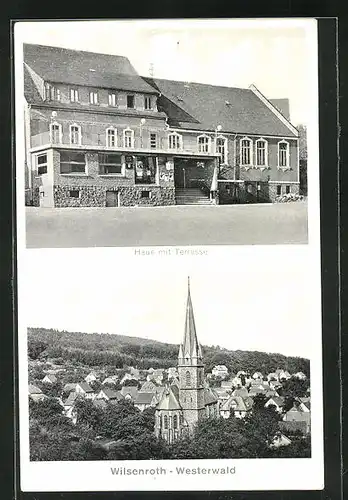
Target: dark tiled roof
(144,398)
(132,391)
(110,394)
(34,390)
(31,92)
(209,397)
(169,401)
(292,426)
(56,64)
(200,106)
(85,387)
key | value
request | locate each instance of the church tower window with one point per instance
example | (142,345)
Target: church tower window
(188,379)
(175,421)
(165,421)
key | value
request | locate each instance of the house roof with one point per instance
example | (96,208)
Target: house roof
(235,402)
(76,67)
(144,398)
(85,387)
(148,386)
(34,390)
(242,391)
(70,399)
(169,400)
(209,396)
(69,387)
(132,391)
(51,377)
(200,106)
(110,394)
(278,400)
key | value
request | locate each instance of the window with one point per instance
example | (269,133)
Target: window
(74,95)
(279,190)
(111,137)
(51,93)
(245,153)
(110,164)
(261,152)
(153,140)
(147,102)
(41,162)
(93,97)
(128,138)
(75,134)
(283,154)
(287,190)
(72,163)
(74,193)
(112,99)
(130,101)
(145,194)
(174,141)
(145,169)
(175,421)
(165,421)
(221,147)
(56,132)
(188,379)
(203,144)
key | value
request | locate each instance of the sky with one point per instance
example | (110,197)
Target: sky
(274,55)
(252,301)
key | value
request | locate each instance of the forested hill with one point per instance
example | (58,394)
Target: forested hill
(97,349)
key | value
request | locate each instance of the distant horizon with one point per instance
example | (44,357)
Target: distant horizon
(163,342)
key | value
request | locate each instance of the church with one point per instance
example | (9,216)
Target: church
(183,405)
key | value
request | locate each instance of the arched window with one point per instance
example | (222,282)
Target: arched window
(75,134)
(188,379)
(221,147)
(203,144)
(246,151)
(56,133)
(165,422)
(283,154)
(174,141)
(175,421)
(261,153)
(111,137)
(128,138)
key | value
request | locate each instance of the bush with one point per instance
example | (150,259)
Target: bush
(285,198)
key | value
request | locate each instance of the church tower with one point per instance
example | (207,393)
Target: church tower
(191,370)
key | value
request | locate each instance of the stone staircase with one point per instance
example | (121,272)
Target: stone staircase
(191,196)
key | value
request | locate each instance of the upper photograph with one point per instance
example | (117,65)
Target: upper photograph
(163,132)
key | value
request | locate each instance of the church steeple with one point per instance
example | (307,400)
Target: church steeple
(190,350)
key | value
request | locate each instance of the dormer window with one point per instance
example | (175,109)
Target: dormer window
(51,93)
(148,102)
(74,95)
(112,99)
(93,97)
(130,101)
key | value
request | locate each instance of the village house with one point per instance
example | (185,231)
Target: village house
(236,406)
(156,376)
(91,377)
(257,376)
(299,413)
(227,385)
(83,389)
(69,407)
(241,391)
(110,380)
(148,386)
(277,402)
(35,393)
(109,395)
(145,400)
(280,440)
(129,376)
(129,392)
(49,378)
(300,375)
(181,407)
(98,134)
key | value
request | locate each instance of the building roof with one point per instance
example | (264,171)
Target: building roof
(148,386)
(278,400)
(190,347)
(85,387)
(70,399)
(77,67)
(51,377)
(200,106)
(110,394)
(242,391)
(34,390)
(209,396)
(169,400)
(70,387)
(235,402)
(144,398)
(131,390)
(283,106)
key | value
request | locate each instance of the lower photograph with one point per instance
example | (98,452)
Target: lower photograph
(177,368)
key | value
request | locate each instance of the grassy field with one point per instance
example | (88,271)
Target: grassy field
(177,225)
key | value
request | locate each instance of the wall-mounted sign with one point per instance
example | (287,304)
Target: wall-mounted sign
(169,165)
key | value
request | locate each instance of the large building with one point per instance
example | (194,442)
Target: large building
(183,405)
(99,134)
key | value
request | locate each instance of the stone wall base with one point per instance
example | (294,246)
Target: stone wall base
(128,196)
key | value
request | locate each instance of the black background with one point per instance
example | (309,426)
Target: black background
(333,228)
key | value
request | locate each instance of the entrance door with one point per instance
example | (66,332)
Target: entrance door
(179,176)
(112,199)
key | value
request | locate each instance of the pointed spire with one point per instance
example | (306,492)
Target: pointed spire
(190,346)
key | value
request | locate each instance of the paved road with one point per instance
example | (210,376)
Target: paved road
(178,225)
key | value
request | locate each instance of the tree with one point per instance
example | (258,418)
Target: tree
(88,414)
(44,410)
(35,348)
(294,388)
